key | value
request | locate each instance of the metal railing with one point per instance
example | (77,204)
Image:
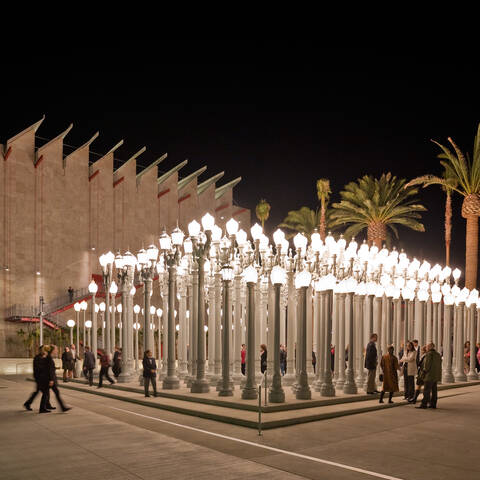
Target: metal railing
(66,299)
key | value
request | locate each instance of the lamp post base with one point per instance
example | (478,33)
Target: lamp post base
(125,377)
(200,386)
(288,379)
(471,377)
(249,393)
(171,383)
(327,390)
(460,377)
(276,396)
(447,377)
(303,393)
(350,388)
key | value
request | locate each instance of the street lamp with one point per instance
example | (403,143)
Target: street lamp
(278,277)
(84,306)
(227,276)
(113,329)
(136,327)
(201,246)
(71,324)
(88,324)
(106,262)
(77,309)
(93,288)
(249,392)
(102,311)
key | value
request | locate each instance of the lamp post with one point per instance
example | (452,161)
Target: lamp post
(106,262)
(201,246)
(84,306)
(278,278)
(226,385)
(77,309)
(88,324)
(136,327)
(93,288)
(159,313)
(119,309)
(249,391)
(113,327)
(302,281)
(170,248)
(459,373)
(328,282)
(472,306)
(102,312)
(350,386)
(71,324)
(447,339)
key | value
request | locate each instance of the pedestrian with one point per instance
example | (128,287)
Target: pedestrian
(67,364)
(418,351)
(466,357)
(243,354)
(117,362)
(419,382)
(390,367)
(89,365)
(371,361)
(263,358)
(432,374)
(332,358)
(70,294)
(477,349)
(149,373)
(75,359)
(283,359)
(49,380)
(409,360)
(37,366)
(104,366)
(314,361)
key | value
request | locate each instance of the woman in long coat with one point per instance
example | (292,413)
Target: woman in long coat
(67,364)
(389,365)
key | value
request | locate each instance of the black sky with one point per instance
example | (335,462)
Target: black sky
(280,123)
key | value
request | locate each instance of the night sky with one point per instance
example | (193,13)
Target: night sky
(280,123)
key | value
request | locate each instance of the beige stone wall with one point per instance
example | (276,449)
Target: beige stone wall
(59,217)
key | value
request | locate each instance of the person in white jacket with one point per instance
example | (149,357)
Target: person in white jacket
(410,360)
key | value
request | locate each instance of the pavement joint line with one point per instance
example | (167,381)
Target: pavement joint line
(266,447)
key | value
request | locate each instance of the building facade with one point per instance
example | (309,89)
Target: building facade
(59,212)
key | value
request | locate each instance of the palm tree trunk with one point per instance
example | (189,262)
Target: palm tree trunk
(376,234)
(322,221)
(471,252)
(448,227)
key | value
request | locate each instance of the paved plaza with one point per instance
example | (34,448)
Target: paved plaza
(107,438)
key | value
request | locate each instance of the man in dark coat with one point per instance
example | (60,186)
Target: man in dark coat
(432,374)
(37,365)
(149,373)
(371,361)
(117,362)
(104,366)
(89,365)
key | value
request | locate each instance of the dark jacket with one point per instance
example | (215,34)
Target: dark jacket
(371,356)
(149,364)
(67,361)
(283,357)
(89,361)
(263,362)
(47,371)
(105,361)
(432,367)
(37,365)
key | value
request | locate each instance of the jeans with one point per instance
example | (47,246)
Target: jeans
(89,375)
(409,386)
(430,394)
(104,372)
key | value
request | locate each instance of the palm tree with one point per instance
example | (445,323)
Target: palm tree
(377,205)
(466,173)
(447,183)
(323,193)
(263,211)
(304,220)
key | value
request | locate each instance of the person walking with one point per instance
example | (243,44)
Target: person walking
(409,360)
(283,359)
(117,362)
(104,366)
(67,364)
(149,373)
(389,366)
(263,358)
(75,359)
(243,354)
(419,382)
(89,365)
(371,361)
(432,374)
(49,380)
(38,360)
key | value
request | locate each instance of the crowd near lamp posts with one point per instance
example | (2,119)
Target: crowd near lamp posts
(331,286)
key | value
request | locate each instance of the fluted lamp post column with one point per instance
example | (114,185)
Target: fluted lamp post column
(106,262)
(447,375)
(113,327)
(472,307)
(171,252)
(88,325)
(302,281)
(201,247)
(226,385)
(71,324)
(326,288)
(249,391)
(78,365)
(276,394)
(93,288)
(458,336)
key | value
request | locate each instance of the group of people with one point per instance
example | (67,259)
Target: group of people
(424,363)
(46,378)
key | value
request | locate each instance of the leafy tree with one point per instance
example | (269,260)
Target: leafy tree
(377,204)
(263,211)
(323,194)
(304,220)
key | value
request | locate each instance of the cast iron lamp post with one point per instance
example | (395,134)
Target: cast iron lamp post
(226,385)
(93,288)
(106,262)
(71,324)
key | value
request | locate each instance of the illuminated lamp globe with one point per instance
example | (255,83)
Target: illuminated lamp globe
(216,233)
(422,295)
(456,274)
(303,279)
(119,264)
(152,310)
(435,287)
(446,272)
(187,246)
(152,253)
(177,237)
(329,240)
(436,297)
(165,241)
(316,242)
(136,309)
(205,328)
(350,285)
(250,274)
(446,289)
(70,323)
(232,227)
(119,308)
(102,306)
(84,305)
(285,245)
(256,232)
(371,288)
(399,282)
(97,308)
(263,243)
(142,257)
(208,222)
(159,312)
(278,236)
(241,238)
(113,288)
(448,299)
(88,324)
(133,291)
(227,274)
(390,290)
(77,307)
(341,243)
(93,287)
(193,228)
(278,275)
(300,241)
